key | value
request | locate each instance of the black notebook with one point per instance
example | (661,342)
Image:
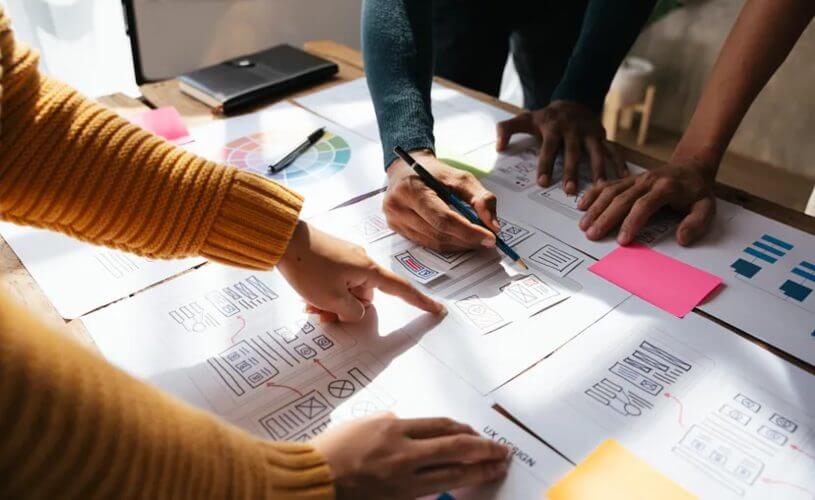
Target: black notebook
(245,81)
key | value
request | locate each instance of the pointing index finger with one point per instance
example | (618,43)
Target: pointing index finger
(395,285)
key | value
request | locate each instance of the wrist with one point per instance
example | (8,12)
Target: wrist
(703,158)
(293,251)
(397,168)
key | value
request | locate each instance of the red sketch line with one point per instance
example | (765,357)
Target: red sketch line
(318,362)
(681,407)
(243,325)
(791,485)
(269,384)
(803,452)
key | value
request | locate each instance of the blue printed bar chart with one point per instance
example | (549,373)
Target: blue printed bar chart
(765,250)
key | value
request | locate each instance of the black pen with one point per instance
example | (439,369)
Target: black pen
(289,158)
(453,200)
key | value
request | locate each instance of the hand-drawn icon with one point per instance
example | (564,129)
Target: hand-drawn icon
(636,379)
(529,290)
(222,303)
(193,318)
(285,334)
(448,257)
(784,423)
(479,313)
(415,267)
(341,388)
(306,351)
(735,415)
(512,233)
(713,453)
(626,403)
(294,418)
(374,227)
(556,259)
(249,363)
(772,435)
(311,407)
(517,175)
(747,403)
(307,327)
(323,342)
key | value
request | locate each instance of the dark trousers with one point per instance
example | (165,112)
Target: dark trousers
(472,39)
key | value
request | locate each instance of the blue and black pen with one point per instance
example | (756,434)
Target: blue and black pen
(454,201)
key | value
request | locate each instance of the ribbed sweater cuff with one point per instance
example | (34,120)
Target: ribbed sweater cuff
(254,224)
(297,467)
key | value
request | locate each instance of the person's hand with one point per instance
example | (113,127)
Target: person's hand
(417,213)
(383,457)
(575,129)
(337,279)
(685,186)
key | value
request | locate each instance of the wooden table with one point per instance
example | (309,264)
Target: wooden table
(16,279)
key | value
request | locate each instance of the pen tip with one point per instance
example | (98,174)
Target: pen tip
(521,263)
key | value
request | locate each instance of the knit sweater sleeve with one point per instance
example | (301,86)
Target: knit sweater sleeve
(70,165)
(73,426)
(397,44)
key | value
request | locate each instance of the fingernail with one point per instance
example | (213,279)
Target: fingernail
(591,232)
(623,238)
(543,181)
(584,223)
(488,242)
(440,309)
(570,187)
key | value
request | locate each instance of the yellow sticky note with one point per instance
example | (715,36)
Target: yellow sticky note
(613,473)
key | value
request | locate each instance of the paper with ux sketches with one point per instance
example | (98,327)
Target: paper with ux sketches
(768,270)
(513,177)
(79,277)
(461,123)
(423,387)
(488,343)
(714,412)
(341,166)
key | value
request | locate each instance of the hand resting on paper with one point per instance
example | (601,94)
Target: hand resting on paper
(385,457)
(573,128)
(337,279)
(683,185)
(417,213)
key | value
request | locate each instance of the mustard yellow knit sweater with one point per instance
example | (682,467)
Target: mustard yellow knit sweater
(71,425)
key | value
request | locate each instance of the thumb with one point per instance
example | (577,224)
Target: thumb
(697,222)
(506,129)
(348,308)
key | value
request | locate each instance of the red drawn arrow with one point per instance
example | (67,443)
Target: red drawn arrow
(802,451)
(681,407)
(243,325)
(791,485)
(269,384)
(318,362)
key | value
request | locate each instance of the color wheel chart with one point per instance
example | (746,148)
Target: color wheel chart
(257,151)
(769,251)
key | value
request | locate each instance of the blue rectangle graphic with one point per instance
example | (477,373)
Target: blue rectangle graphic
(776,241)
(768,248)
(804,274)
(807,265)
(760,255)
(744,268)
(795,290)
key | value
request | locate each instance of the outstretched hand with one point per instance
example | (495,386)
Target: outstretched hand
(337,279)
(629,203)
(573,128)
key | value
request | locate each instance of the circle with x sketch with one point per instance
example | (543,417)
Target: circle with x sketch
(341,388)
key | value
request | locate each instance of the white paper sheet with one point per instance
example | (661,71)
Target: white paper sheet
(461,123)
(711,410)
(422,387)
(512,178)
(768,270)
(340,167)
(79,277)
(488,360)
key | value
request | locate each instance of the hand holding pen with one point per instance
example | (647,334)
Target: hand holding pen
(454,201)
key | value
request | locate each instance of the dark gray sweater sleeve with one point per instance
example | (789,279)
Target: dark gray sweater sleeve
(397,45)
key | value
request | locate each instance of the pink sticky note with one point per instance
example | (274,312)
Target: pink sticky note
(164,122)
(663,281)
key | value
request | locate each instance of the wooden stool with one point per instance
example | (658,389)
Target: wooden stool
(615,114)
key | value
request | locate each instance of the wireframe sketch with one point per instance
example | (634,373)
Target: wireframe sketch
(479,313)
(415,267)
(194,318)
(449,256)
(626,403)
(512,233)
(529,291)
(517,172)
(374,227)
(117,264)
(558,260)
